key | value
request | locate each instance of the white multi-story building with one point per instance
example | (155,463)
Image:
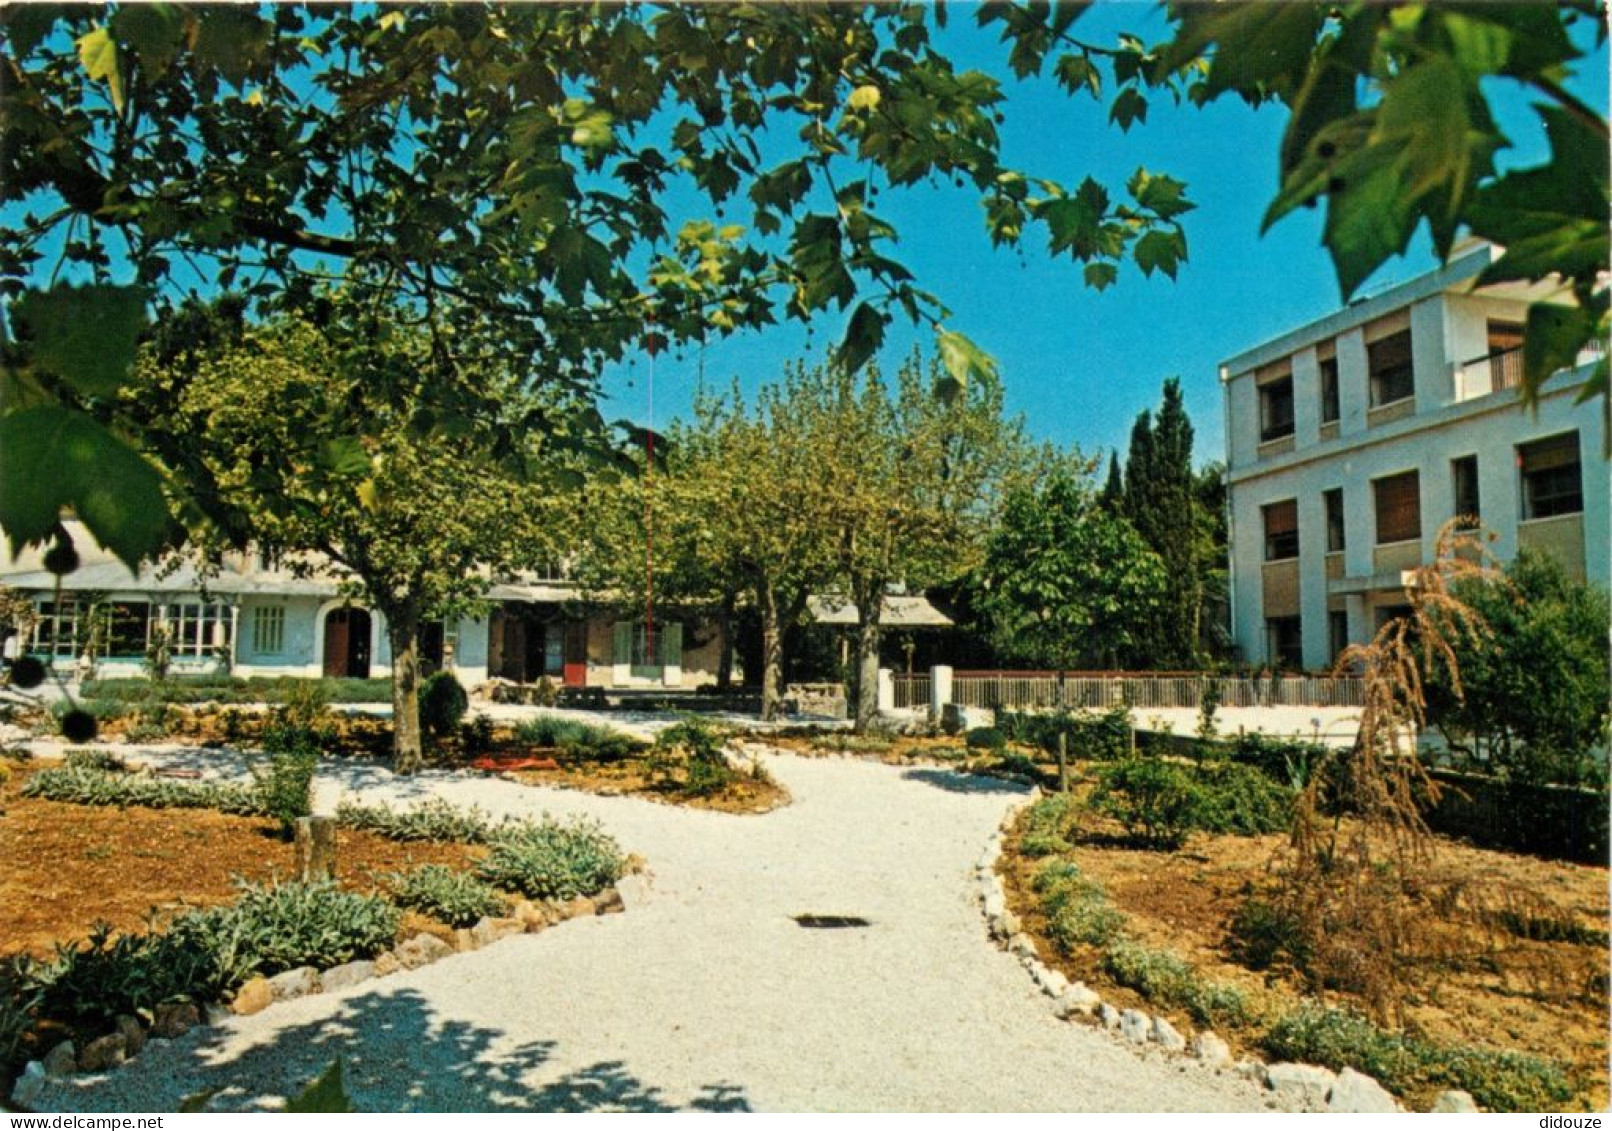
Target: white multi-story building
(1351,441)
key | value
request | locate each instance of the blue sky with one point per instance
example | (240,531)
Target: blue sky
(1077,363)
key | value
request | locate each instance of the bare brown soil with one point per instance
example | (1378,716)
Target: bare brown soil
(1477,981)
(65,867)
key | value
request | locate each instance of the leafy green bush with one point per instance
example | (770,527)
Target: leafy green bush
(1266,934)
(548,860)
(19,1002)
(476,734)
(985,738)
(697,748)
(286,786)
(1283,760)
(301,725)
(234,689)
(1048,825)
(1240,799)
(92,984)
(1156,801)
(101,761)
(1498,1080)
(443,704)
(1096,736)
(1077,908)
(577,739)
(276,927)
(98,709)
(94,787)
(852,743)
(1166,979)
(456,898)
(433,820)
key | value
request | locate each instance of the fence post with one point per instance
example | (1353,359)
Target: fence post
(940,690)
(1063,761)
(887,690)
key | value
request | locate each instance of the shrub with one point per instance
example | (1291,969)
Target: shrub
(1266,934)
(443,704)
(301,725)
(1241,800)
(576,739)
(92,984)
(1280,759)
(93,787)
(433,820)
(272,928)
(456,898)
(985,738)
(1156,801)
(1501,1081)
(102,761)
(548,860)
(1048,824)
(698,748)
(286,786)
(1077,908)
(1097,736)
(19,1000)
(476,734)
(1165,978)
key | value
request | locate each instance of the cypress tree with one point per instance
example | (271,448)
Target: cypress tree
(1113,496)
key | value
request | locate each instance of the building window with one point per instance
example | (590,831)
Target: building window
(198,630)
(1399,507)
(56,630)
(1329,390)
(1393,376)
(1464,485)
(1337,633)
(1551,481)
(1334,504)
(1505,355)
(1284,642)
(1276,409)
(268,630)
(127,624)
(648,655)
(1281,530)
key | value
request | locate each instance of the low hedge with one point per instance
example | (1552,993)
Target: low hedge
(1099,737)
(81,785)
(234,689)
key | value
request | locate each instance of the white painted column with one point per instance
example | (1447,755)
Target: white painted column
(940,689)
(887,690)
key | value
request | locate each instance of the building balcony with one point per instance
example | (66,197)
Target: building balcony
(1495,372)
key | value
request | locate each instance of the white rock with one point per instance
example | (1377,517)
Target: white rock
(634,889)
(1300,1087)
(1010,924)
(1254,1070)
(1077,1001)
(1134,1025)
(1356,1092)
(301,982)
(1052,983)
(1455,1102)
(1108,1015)
(1211,1049)
(347,974)
(1167,1036)
(25,1093)
(995,904)
(1022,945)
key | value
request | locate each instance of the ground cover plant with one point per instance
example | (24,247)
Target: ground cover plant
(1507,982)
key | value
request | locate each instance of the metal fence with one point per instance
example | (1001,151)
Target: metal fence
(1017,691)
(912,690)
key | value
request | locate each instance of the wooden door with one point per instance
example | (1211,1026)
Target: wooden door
(576,654)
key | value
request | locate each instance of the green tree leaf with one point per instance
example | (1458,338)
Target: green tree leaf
(84,335)
(98,52)
(54,459)
(326,1094)
(863,336)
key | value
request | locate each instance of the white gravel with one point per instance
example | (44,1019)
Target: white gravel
(706,995)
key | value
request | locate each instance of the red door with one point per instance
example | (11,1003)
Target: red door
(576,654)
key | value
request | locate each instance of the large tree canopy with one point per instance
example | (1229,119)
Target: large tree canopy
(505,170)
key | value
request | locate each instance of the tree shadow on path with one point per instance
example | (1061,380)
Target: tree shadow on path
(398,1055)
(953,782)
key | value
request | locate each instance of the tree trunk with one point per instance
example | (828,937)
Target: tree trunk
(867,671)
(772,654)
(724,620)
(403,627)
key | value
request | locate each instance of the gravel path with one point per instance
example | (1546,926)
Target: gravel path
(706,995)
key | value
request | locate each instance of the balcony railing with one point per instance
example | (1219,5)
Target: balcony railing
(1503,370)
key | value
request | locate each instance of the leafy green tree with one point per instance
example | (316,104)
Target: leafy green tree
(396,474)
(910,486)
(1067,583)
(1535,690)
(728,512)
(1161,503)
(503,172)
